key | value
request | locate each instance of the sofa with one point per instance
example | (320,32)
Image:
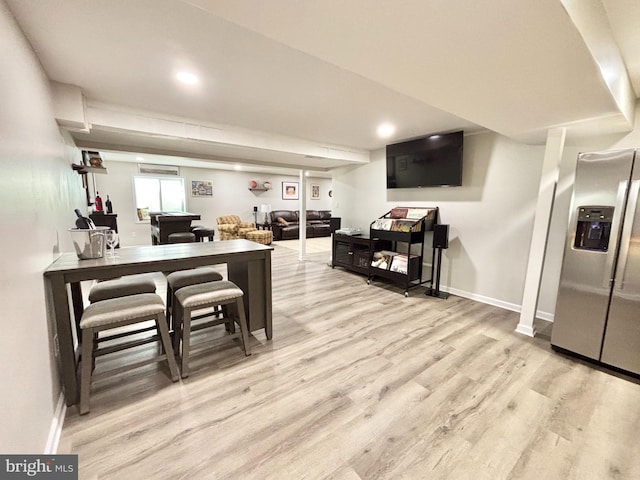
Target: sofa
(285,224)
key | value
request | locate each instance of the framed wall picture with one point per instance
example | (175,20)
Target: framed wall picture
(201,189)
(315,192)
(290,191)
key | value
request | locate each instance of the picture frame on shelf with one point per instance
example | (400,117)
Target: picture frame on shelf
(201,188)
(315,192)
(290,191)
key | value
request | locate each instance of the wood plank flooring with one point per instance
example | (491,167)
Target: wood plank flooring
(312,245)
(360,382)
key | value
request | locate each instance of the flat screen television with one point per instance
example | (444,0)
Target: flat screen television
(432,161)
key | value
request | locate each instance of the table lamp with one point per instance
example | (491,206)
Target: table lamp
(265,209)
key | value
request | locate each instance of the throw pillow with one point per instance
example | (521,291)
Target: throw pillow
(282,221)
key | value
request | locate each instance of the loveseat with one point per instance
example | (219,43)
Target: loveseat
(285,224)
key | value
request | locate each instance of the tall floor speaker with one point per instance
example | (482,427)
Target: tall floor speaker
(334,223)
(441,236)
(440,242)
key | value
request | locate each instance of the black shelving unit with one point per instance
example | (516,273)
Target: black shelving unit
(353,252)
(406,236)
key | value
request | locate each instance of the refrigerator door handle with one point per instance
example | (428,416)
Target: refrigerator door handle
(610,264)
(625,238)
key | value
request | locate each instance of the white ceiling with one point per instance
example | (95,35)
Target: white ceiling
(624,18)
(323,74)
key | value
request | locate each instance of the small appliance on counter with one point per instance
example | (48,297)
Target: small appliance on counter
(88,240)
(89,243)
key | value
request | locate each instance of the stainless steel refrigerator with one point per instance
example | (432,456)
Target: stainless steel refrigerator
(598,308)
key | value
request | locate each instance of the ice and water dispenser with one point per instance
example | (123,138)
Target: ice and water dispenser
(593,228)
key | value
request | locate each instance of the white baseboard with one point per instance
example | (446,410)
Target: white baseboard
(527,330)
(56,426)
(496,303)
(544,315)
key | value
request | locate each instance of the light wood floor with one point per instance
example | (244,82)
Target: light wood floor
(312,245)
(362,383)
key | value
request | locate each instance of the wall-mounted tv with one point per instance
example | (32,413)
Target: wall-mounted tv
(432,161)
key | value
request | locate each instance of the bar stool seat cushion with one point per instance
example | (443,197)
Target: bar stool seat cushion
(207,293)
(117,310)
(182,237)
(183,278)
(203,232)
(121,287)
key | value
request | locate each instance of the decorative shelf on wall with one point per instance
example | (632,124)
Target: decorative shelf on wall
(259,186)
(91,163)
(88,169)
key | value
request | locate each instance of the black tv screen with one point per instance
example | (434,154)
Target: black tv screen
(432,161)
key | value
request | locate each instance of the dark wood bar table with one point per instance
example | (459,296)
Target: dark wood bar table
(164,224)
(248,266)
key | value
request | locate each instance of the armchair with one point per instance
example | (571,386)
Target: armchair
(231,227)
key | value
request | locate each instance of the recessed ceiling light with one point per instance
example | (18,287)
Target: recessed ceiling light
(385,130)
(237,167)
(187,77)
(139,159)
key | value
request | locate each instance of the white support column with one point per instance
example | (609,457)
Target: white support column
(546,194)
(302,218)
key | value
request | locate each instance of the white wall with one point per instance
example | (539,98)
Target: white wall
(560,217)
(38,191)
(231,196)
(490,216)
